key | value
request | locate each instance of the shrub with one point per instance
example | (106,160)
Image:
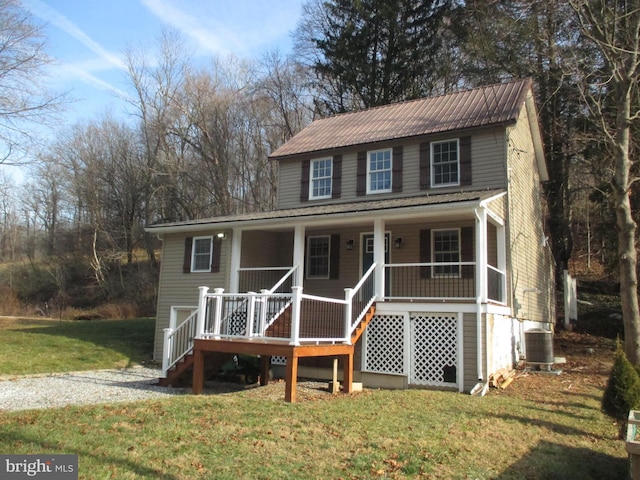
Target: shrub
(623,388)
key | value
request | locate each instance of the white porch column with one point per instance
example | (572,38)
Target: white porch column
(298,254)
(378,255)
(236,254)
(481,254)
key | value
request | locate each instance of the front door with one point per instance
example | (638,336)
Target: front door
(367,255)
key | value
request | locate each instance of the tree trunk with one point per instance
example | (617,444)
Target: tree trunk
(626,227)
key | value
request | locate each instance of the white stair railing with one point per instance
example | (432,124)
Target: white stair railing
(178,342)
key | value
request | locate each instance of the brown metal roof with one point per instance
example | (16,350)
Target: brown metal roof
(339,209)
(482,106)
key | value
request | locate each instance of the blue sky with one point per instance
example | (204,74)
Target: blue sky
(87,39)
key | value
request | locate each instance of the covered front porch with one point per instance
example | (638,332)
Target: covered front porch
(303,285)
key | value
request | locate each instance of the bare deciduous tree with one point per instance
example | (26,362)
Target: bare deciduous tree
(613,27)
(24,99)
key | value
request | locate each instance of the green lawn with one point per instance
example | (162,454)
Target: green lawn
(40,346)
(541,427)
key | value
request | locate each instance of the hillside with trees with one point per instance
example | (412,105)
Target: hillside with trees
(196,138)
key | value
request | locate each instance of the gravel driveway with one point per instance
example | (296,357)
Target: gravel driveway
(83,388)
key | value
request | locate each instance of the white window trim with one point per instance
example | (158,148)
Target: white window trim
(387,190)
(193,254)
(432,169)
(308,273)
(311,179)
(433,253)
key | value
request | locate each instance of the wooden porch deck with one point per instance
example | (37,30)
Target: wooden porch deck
(268,348)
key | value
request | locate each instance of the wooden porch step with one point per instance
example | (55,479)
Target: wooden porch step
(357,333)
(181,373)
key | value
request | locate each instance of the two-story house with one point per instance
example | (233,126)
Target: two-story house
(408,242)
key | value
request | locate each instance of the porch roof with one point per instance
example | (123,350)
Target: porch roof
(438,204)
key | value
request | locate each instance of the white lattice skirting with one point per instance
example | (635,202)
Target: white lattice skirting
(422,346)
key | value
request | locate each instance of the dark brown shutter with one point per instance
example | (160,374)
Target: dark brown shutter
(466,251)
(396,171)
(188,247)
(336,180)
(216,255)
(465,161)
(425,166)
(334,259)
(425,252)
(304,181)
(361,181)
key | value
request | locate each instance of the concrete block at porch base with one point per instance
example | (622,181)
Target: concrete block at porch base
(355,387)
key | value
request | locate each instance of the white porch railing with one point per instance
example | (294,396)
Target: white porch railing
(442,281)
(178,342)
(294,317)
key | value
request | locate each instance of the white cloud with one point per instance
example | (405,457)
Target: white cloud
(50,15)
(191,26)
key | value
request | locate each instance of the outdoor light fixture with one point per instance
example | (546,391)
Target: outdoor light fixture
(349,244)
(398,242)
(221,236)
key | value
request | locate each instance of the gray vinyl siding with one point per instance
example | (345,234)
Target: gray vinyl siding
(178,288)
(470,350)
(527,252)
(267,249)
(487,158)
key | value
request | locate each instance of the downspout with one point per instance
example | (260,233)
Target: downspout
(481,387)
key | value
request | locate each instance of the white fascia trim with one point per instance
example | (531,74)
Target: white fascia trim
(347,218)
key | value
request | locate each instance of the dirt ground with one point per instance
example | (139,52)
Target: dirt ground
(588,363)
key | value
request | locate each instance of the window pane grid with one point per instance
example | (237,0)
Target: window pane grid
(202,254)
(446,249)
(321,173)
(318,257)
(380,171)
(445,163)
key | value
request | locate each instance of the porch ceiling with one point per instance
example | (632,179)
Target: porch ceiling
(349,213)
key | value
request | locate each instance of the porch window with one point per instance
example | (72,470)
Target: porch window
(318,256)
(446,249)
(320,178)
(201,254)
(445,163)
(379,171)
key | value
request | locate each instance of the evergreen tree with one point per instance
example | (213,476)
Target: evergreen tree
(367,53)
(623,388)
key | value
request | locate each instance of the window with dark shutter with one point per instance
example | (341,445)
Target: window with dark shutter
(396,176)
(201,254)
(425,166)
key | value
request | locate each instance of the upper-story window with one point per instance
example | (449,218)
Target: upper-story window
(379,171)
(201,254)
(320,173)
(445,163)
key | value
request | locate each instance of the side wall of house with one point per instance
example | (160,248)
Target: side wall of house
(531,279)
(488,170)
(181,289)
